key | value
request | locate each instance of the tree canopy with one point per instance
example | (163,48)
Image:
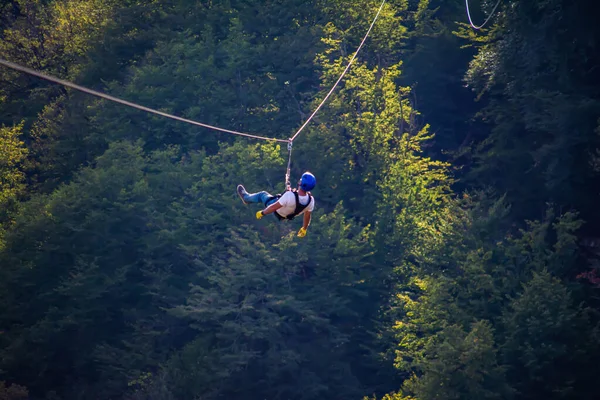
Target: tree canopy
(453,249)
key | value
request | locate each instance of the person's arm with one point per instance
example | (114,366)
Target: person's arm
(272,208)
(306,220)
(305,223)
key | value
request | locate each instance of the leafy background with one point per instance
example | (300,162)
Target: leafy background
(453,249)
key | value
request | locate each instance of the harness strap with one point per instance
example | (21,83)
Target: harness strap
(299,207)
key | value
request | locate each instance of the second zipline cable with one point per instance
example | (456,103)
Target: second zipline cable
(486,21)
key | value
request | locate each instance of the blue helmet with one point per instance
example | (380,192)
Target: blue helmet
(307,181)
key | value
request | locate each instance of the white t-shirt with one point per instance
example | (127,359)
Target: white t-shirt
(288,203)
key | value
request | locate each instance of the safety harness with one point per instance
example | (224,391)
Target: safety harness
(299,207)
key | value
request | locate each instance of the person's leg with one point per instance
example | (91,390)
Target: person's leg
(260,197)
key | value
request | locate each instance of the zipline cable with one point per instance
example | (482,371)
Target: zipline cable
(289,141)
(488,18)
(128,103)
(152,111)
(341,76)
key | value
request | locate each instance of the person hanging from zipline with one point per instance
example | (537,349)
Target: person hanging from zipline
(288,205)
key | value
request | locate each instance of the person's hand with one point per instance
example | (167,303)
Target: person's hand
(259,214)
(302,232)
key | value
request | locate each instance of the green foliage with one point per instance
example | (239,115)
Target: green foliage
(129,268)
(463,366)
(61,38)
(544,327)
(12,155)
(435,61)
(49,37)
(230,72)
(368,137)
(12,179)
(468,297)
(260,314)
(541,97)
(89,250)
(415,197)
(258,301)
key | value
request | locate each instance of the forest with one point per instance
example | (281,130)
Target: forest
(453,251)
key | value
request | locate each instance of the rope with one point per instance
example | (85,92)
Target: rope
(341,76)
(127,103)
(287,174)
(488,18)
